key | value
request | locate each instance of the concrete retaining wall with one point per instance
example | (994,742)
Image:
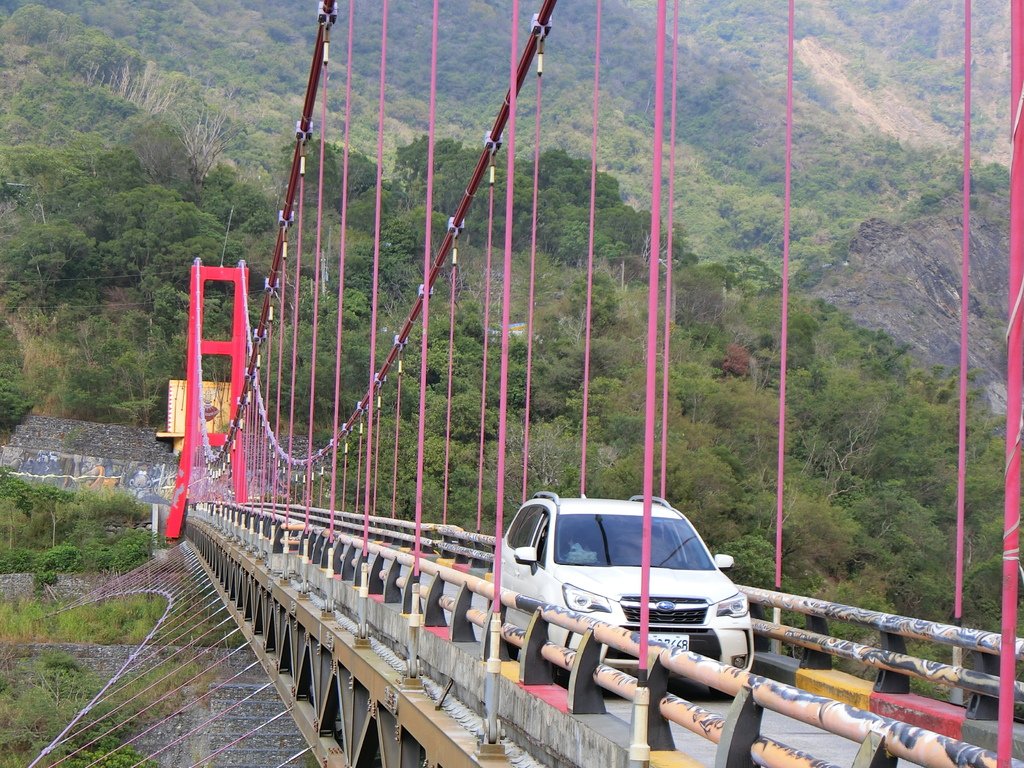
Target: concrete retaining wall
(79,454)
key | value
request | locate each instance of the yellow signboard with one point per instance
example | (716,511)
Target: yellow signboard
(216,403)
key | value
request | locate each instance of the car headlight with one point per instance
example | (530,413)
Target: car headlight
(581,601)
(735,606)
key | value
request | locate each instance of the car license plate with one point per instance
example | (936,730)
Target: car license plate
(676,642)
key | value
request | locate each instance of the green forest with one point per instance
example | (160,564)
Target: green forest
(106,198)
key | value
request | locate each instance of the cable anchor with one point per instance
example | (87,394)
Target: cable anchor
(327,13)
(303,134)
(538,30)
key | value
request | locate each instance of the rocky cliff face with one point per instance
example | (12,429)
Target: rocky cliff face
(905,280)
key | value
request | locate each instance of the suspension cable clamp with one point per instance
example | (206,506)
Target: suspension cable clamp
(539,30)
(283,222)
(325,17)
(419,291)
(490,144)
(455,229)
(399,344)
(303,134)
(377,382)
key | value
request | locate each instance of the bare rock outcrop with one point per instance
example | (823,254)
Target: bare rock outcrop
(905,279)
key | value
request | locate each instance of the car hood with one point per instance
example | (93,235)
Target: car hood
(616,581)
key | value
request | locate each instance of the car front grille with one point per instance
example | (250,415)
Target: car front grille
(687,611)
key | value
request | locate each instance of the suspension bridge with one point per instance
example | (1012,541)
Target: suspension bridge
(386,635)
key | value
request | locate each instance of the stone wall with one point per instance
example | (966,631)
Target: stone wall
(14,586)
(79,454)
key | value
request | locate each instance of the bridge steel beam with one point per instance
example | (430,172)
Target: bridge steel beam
(353,708)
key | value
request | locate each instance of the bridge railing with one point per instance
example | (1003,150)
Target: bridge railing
(456,604)
(475,550)
(894,666)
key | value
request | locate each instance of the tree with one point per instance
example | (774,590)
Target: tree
(204,136)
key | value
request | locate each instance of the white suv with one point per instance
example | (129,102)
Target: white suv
(584,554)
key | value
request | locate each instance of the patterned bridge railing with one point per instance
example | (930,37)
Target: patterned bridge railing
(452,605)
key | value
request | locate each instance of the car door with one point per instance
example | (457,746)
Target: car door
(528,529)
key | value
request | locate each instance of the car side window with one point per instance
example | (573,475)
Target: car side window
(525,528)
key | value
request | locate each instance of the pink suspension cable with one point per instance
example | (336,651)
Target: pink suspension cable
(784,330)
(590,253)
(344,484)
(652,338)
(666,334)
(487,334)
(295,334)
(359,475)
(965,274)
(533,273)
(451,368)
(398,423)
(318,254)
(282,287)
(1014,422)
(376,459)
(376,269)
(425,315)
(341,276)
(506,307)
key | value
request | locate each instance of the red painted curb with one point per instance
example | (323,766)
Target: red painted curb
(938,716)
(555,695)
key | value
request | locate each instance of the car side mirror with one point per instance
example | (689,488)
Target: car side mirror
(724,562)
(525,555)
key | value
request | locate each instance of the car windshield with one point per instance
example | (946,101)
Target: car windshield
(606,540)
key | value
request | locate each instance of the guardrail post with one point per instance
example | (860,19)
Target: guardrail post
(348,565)
(501,652)
(407,593)
(433,613)
(659,734)
(534,669)
(981,707)
(888,681)
(816,659)
(376,581)
(462,628)
(392,592)
(742,729)
(873,754)
(585,698)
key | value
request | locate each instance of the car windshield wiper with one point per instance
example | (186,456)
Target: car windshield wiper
(604,539)
(672,554)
